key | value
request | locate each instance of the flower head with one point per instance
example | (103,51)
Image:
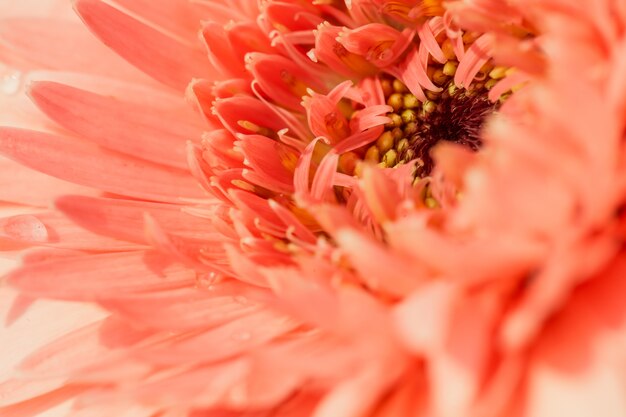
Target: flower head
(318,208)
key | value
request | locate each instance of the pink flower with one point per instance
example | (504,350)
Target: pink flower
(314,208)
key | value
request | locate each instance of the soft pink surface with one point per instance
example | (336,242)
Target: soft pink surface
(212,261)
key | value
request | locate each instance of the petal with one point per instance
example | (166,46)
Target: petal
(35,43)
(86,349)
(26,186)
(190,309)
(226,341)
(54,229)
(109,275)
(124,219)
(178,17)
(159,55)
(148,133)
(577,367)
(88,165)
(380,268)
(272,160)
(433,300)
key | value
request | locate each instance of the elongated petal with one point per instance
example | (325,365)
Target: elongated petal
(71,160)
(25,43)
(178,17)
(161,56)
(226,341)
(190,309)
(56,230)
(110,275)
(140,131)
(26,186)
(124,219)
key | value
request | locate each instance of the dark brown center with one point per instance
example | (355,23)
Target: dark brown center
(454,114)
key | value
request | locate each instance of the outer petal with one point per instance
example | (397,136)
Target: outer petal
(25,43)
(124,219)
(161,56)
(110,276)
(26,186)
(71,160)
(141,131)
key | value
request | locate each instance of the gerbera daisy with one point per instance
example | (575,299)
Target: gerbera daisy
(315,208)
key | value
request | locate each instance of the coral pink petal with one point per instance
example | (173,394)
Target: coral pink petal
(381,194)
(576,367)
(373,260)
(212,387)
(415,77)
(513,80)
(224,12)
(322,187)
(457,370)
(352,398)
(296,17)
(357,140)
(157,54)
(54,229)
(26,186)
(178,17)
(233,111)
(435,301)
(111,276)
(475,57)
(37,396)
(124,219)
(280,78)
(226,341)
(220,51)
(200,93)
(88,348)
(19,307)
(140,131)
(291,220)
(275,161)
(428,40)
(71,160)
(254,206)
(190,309)
(25,43)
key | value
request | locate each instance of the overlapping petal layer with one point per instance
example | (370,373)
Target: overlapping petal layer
(245,191)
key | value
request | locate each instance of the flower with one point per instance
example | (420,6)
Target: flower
(366,208)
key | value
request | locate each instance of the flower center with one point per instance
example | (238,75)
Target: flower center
(454,114)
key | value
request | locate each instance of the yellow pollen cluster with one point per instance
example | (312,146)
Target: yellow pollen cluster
(397,143)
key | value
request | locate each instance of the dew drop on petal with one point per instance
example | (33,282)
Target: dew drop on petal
(11,82)
(208,280)
(25,228)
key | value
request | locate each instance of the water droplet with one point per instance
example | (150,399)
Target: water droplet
(242,336)
(25,228)
(11,82)
(208,280)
